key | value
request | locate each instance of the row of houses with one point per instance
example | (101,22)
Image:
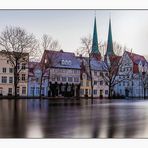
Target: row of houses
(64,74)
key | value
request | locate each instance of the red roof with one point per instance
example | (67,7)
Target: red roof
(136,58)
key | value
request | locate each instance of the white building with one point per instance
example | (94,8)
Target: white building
(100,88)
(134,71)
(7,76)
(62,75)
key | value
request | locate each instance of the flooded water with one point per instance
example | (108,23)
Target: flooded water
(104,119)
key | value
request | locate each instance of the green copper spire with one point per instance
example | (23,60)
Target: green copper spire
(95,48)
(110,41)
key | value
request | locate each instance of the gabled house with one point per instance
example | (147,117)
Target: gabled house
(34,80)
(64,73)
(135,71)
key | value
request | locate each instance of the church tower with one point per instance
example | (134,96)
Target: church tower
(109,50)
(95,49)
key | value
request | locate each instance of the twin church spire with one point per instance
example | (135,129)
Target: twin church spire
(95,48)
(110,50)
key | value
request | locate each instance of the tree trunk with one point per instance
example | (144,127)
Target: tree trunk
(91,80)
(48,81)
(40,95)
(110,94)
(15,80)
(92,97)
(144,92)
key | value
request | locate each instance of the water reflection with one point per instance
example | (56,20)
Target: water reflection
(39,119)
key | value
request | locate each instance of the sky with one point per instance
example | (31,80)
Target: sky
(129,27)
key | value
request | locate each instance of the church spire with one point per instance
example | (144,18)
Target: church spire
(110,41)
(95,48)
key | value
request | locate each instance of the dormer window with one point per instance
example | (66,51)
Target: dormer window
(66,62)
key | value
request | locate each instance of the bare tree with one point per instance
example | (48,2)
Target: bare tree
(85,50)
(48,44)
(114,64)
(16,45)
(112,68)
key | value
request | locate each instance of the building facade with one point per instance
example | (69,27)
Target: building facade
(134,76)
(62,77)
(100,88)
(7,76)
(34,80)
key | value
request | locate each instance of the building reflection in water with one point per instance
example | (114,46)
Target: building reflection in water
(38,119)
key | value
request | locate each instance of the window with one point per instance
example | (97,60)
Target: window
(23,90)
(95,73)
(32,90)
(106,92)
(87,83)
(10,70)
(82,83)
(101,82)
(64,79)
(4,70)
(23,77)
(89,91)
(82,91)
(23,66)
(86,91)
(101,73)
(76,79)
(128,83)
(123,83)
(69,79)
(75,71)
(9,90)
(4,79)
(42,91)
(120,91)
(10,79)
(37,80)
(95,82)
(106,83)
(95,92)
(58,78)
(53,78)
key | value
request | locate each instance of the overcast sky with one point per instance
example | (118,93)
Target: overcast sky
(129,27)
